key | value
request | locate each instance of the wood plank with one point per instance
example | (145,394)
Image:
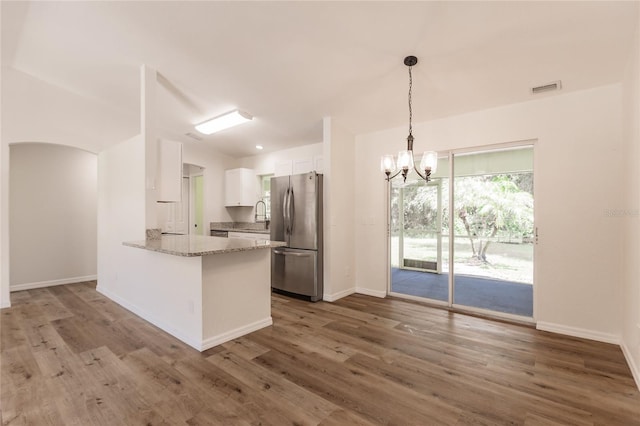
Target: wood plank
(50,306)
(119,386)
(390,340)
(85,290)
(310,341)
(281,395)
(169,392)
(344,417)
(112,311)
(12,334)
(321,313)
(41,335)
(77,395)
(356,389)
(245,348)
(23,384)
(83,334)
(81,309)
(231,398)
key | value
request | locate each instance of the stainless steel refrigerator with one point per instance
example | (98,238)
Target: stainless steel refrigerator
(296,218)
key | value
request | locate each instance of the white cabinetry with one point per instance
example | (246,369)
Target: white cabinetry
(170,171)
(249,235)
(298,166)
(176,215)
(239,188)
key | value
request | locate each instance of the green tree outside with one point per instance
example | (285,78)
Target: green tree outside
(487,208)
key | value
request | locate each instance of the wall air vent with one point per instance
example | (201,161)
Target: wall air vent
(556,85)
(193,136)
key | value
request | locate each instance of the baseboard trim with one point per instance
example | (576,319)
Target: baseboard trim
(369,292)
(153,320)
(230,335)
(5,305)
(578,332)
(51,283)
(635,371)
(339,295)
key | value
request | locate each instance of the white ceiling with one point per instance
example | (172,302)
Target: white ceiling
(73,67)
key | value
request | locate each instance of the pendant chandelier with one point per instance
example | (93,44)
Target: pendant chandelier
(429,161)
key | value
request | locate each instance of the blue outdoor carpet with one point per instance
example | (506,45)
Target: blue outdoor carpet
(496,295)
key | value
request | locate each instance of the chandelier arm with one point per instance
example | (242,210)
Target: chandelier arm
(419,174)
(394,175)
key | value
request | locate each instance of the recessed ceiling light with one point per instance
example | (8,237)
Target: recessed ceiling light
(259,147)
(224,121)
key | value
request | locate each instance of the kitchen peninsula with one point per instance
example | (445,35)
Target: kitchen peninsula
(203,290)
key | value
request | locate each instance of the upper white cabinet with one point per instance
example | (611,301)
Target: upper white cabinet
(239,188)
(298,166)
(170,171)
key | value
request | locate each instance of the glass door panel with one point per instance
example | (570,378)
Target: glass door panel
(417,239)
(493,230)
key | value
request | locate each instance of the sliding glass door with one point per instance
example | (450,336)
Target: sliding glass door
(416,239)
(493,229)
(487,227)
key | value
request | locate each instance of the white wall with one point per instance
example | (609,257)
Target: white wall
(578,154)
(95,124)
(52,219)
(121,210)
(339,186)
(630,212)
(5,300)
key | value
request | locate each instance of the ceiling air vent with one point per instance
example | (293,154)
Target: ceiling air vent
(193,136)
(556,85)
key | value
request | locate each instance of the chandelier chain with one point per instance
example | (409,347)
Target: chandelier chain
(410,110)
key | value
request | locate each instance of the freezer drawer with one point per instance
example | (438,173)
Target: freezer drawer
(296,271)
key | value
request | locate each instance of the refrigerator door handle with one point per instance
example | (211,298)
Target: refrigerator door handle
(285,212)
(292,211)
(288,253)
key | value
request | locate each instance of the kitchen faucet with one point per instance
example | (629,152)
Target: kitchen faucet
(266,219)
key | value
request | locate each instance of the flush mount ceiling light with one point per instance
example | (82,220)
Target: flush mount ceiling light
(259,147)
(223,121)
(429,161)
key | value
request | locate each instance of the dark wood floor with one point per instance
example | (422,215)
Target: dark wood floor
(70,356)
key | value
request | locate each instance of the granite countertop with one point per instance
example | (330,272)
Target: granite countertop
(198,245)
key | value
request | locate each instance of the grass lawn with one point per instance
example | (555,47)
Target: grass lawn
(510,262)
